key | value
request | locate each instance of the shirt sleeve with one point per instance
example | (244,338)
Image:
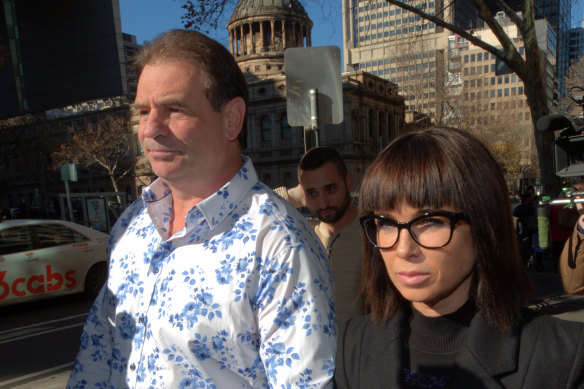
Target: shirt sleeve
(92,364)
(296,320)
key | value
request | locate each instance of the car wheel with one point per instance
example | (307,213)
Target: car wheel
(95,279)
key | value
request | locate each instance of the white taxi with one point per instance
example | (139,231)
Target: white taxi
(50,258)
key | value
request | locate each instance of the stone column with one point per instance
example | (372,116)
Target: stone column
(242,40)
(283,34)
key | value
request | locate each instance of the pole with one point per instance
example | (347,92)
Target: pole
(68,192)
(314,119)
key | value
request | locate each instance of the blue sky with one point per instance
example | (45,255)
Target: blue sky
(148,18)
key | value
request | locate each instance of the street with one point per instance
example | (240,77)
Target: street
(38,344)
(39,338)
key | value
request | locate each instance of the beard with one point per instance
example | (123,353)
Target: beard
(337,213)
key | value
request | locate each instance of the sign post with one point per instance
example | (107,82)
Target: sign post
(69,173)
(314,92)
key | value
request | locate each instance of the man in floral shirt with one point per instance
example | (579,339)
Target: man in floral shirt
(214,281)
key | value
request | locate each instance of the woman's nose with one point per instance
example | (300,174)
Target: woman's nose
(406,246)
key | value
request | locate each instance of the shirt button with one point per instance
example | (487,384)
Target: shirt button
(132,367)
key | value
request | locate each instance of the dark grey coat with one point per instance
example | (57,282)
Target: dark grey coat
(543,352)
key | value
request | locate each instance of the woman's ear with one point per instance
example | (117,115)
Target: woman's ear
(234,115)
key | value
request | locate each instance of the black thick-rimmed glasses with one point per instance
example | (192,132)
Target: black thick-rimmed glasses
(431,230)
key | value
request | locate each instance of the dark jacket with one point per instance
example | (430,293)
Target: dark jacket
(543,352)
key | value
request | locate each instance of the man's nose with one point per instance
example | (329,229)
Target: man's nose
(154,125)
(323,201)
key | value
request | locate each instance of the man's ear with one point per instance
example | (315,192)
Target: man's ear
(349,181)
(234,115)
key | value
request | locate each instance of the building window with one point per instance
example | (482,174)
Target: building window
(285,129)
(266,129)
(371,128)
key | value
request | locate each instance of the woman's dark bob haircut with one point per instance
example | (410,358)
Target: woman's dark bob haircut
(440,167)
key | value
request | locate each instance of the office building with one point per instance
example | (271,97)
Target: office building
(399,46)
(575,44)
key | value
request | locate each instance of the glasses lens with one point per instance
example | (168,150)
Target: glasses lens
(432,231)
(381,232)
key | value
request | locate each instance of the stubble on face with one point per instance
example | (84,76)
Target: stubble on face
(337,211)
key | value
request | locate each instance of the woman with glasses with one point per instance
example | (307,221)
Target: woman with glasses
(443,279)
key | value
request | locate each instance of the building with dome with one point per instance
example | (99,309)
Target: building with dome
(259,33)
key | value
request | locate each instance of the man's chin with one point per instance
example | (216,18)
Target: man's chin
(327,219)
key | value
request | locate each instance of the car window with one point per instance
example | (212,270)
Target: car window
(49,235)
(14,240)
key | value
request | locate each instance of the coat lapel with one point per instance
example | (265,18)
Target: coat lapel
(486,354)
(385,353)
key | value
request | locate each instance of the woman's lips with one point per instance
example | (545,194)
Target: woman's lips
(413,278)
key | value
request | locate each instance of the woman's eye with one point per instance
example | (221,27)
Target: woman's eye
(385,224)
(433,222)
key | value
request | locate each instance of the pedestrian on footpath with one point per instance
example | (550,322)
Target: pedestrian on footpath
(325,188)
(444,280)
(214,280)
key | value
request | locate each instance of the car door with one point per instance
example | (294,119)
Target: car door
(21,273)
(64,254)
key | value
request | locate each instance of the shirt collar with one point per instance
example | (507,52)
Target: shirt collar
(214,208)
(218,206)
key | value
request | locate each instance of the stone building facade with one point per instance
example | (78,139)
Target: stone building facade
(259,33)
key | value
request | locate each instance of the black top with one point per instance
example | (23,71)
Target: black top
(433,345)
(541,352)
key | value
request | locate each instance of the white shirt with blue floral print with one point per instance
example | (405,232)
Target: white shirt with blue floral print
(242,297)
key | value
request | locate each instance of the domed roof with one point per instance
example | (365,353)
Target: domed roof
(246,8)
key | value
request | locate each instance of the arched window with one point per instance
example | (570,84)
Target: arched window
(381,136)
(371,129)
(355,124)
(285,129)
(266,127)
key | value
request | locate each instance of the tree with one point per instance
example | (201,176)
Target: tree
(530,70)
(574,83)
(103,145)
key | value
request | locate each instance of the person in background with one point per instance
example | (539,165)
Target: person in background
(325,188)
(444,281)
(526,229)
(4,212)
(214,281)
(571,262)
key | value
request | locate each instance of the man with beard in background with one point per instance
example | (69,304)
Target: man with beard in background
(325,187)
